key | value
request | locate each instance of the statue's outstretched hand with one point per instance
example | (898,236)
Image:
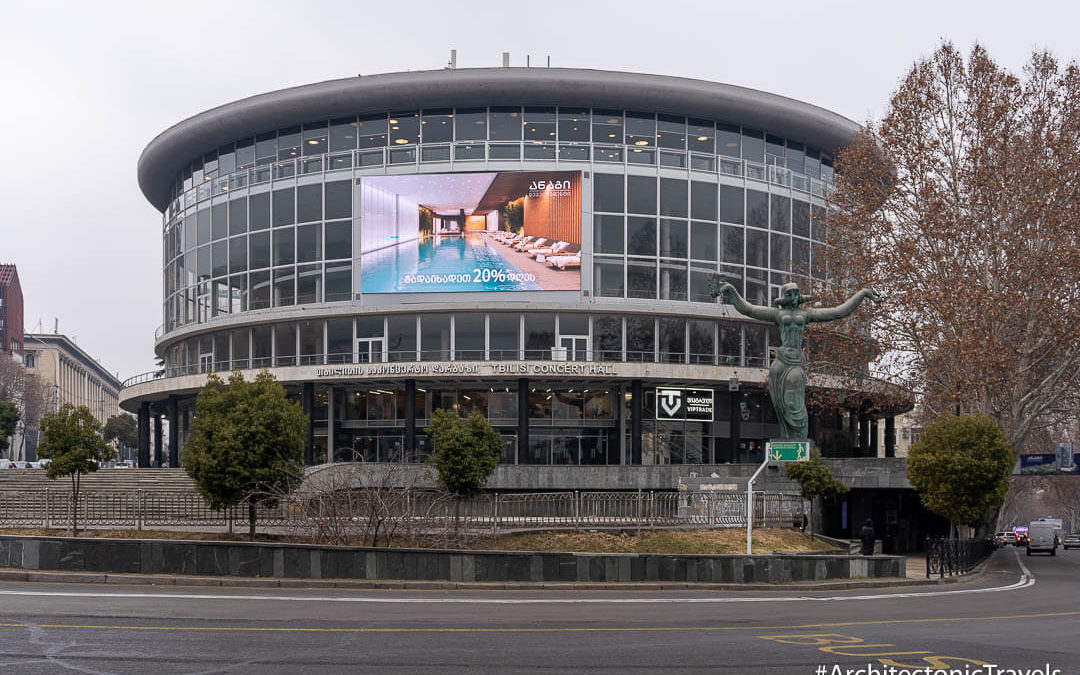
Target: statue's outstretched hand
(873,295)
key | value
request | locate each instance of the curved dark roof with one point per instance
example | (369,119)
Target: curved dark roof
(166,155)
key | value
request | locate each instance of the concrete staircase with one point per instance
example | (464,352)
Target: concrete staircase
(18,480)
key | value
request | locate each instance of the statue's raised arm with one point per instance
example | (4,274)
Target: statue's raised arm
(843,309)
(729,294)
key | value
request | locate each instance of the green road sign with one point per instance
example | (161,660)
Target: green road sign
(789,451)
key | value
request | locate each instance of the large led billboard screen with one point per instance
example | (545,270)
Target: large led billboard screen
(464,232)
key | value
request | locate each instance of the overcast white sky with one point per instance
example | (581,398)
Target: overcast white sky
(84,86)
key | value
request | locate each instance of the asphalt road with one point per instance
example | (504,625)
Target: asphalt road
(1002,619)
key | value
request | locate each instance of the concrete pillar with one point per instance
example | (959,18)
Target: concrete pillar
(172,410)
(410,421)
(157,440)
(873,438)
(144,435)
(890,436)
(307,398)
(523,420)
(637,396)
(864,434)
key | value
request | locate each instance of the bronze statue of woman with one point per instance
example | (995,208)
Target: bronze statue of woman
(787,374)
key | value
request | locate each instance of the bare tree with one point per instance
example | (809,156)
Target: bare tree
(962,206)
(33,398)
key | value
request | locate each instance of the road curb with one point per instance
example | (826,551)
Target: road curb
(401,584)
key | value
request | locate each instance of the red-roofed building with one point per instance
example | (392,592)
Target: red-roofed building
(11,312)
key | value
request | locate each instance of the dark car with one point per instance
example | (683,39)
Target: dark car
(1071,541)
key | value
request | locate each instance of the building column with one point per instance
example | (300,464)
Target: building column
(410,421)
(307,400)
(637,394)
(144,435)
(172,409)
(523,421)
(735,425)
(157,440)
(890,436)
(873,438)
(864,434)
(331,425)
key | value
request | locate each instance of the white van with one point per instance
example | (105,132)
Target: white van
(1042,538)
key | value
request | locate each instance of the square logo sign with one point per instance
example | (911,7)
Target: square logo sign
(675,403)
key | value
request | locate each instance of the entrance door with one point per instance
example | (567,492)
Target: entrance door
(369,350)
(576,347)
(206,363)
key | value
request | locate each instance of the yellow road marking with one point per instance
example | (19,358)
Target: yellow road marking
(622,629)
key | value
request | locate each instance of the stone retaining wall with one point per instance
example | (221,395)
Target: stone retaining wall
(293,561)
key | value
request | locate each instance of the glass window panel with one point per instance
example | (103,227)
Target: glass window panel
(573,125)
(540,151)
(607,126)
(435,337)
(774,150)
(259,249)
(240,348)
(673,197)
(401,338)
(338,200)
(607,234)
(284,207)
(796,157)
(703,240)
(309,203)
(757,248)
(259,211)
(238,254)
(800,218)
(755,345)
(640,338)
(800,256)
(219,219)
(245,153)
(817,223)
(369,327)
(371,131)
(504,151)
(676,159)
(673,340)
(813,163)
(288,143)
(757,209)
(285,344)
(641,235)
(703,200)
(284,246)
(343,134)
(504,124)
(504,331)
(262,343)
(607,338)
(438,153)
(260,289)
(608,192)
(671,132)
(469,337)
(577,153)
(404,128)
(467,151)
(339,343)
(608,154)
(781,253)
(338,239)
(266,148)
(220,258)
(673,243)
(437,126)
(470,124)
(732,243)
(727,140)
(641,156)
(673,280)
(641,194)
(641,279)
(640,129)
(780,214)
(202,256)
(315,138)
(573,324)
(284,286)
(539,335)
(539,124)
(203,219)
(700,136)
(731,204)
(309,243)
(311,342)
(237,216)
(753,145)
(608,278)
(338,282)
(700,290)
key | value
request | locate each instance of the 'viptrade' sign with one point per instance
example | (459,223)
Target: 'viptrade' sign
(674,403)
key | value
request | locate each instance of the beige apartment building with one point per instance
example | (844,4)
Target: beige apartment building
(74,376)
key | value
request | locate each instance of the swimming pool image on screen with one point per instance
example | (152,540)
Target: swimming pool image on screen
(468,232)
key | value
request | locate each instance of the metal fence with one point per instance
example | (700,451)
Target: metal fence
(947,557)
(144,509)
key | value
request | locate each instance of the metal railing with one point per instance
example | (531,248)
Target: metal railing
(948,557)
(145,509)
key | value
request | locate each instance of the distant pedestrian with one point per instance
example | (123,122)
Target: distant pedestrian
(805,521)
(867,537)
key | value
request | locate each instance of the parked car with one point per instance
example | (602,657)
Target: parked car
(1002,539)
(20,464)
(1071,541)
(124,464)
(7,464)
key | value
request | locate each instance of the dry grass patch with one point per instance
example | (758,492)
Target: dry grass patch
(663,541)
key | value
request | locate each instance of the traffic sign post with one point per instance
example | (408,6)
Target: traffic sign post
(775,451)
